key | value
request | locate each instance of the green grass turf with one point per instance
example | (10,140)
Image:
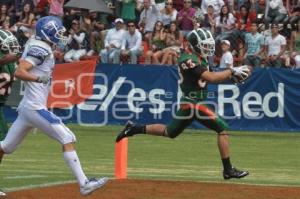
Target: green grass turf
(271,158)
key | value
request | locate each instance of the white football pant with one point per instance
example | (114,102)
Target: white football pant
(42,119)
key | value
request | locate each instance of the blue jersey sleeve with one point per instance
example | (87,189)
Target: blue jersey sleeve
(36,55)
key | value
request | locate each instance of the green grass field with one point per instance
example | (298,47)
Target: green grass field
(271,158)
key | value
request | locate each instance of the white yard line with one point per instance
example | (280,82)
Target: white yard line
(38,186)
(24,177)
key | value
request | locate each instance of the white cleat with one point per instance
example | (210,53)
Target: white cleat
(91,185)
(2,193)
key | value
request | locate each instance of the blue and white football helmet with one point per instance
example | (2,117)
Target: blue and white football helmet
(51,29)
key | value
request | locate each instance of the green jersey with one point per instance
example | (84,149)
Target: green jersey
(192,86)
(6,79)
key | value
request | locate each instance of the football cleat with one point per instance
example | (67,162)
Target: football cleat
(234,173)
(91,185)
(126,132)
(2,193)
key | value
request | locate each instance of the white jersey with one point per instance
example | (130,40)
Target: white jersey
(40,55)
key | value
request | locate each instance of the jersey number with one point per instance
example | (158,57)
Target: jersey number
(5,80)
(202,83)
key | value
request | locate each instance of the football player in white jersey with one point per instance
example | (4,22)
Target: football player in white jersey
(35,68)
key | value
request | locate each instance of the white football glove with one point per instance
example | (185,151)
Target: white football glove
(240,73)
(43,79)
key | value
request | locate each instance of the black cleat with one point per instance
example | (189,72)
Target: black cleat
(234,173)
(126,132)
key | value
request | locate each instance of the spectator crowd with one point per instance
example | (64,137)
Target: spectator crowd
(257,32)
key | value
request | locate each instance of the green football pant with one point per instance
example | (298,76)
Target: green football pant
(188,113)
(3,125)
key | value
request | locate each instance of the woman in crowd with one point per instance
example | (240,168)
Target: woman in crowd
(209,21)
(157,44)
(26,18)
(225,24)
(174,40)
(4,17)
(225,21)
(77,43)
(245,17)
(168,14)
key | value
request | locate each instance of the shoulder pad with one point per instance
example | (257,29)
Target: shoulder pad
(38,54)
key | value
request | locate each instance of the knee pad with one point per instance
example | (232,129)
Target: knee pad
(65,134)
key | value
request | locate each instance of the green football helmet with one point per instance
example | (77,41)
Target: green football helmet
(9,43)
(201,41)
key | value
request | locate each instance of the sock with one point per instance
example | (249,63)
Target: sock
(138,129)
(72,160)
(226,164)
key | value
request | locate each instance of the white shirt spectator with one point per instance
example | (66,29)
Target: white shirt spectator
(275,4)
(274,44)
(227,59)
(149,16)
(217,4)
(166,18)
(132,42)
(230,21)
(114,37)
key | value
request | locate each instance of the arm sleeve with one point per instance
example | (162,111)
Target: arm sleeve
(174,15)
(79,38)
(107,38)
(221,2)
(283,41)
(138,43)
(274,4)
(229,59)
(198,70)
(267,8)
(69,40)
(36,55)
(204,7)
(123,45)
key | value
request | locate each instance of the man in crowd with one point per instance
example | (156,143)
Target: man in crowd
(255,46)
(113,42)
(132,43)
(275,46)
(148,18)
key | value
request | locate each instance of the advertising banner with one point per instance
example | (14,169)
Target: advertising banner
(267,101)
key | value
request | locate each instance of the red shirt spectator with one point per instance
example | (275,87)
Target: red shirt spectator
(41,5)
(244,18)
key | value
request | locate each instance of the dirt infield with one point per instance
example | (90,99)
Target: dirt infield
(153,189)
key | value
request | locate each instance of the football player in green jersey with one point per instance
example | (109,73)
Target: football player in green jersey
(9,53)
(195,75)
